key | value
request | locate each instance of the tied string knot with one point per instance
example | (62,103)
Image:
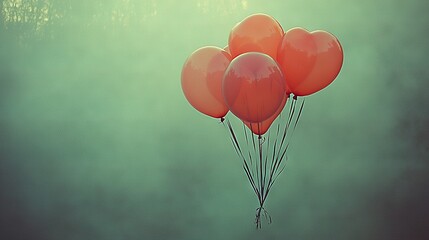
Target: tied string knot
(261,211)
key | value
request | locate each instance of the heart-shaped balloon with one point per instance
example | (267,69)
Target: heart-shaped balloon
(310,61)
(256,33)
(253,87)
(202,76)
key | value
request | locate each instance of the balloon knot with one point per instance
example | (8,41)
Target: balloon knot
(295,97)
(222,119)
(260,211)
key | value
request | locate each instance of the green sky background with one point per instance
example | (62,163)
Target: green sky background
(98,142)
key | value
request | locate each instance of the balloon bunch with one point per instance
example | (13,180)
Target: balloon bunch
(253,77)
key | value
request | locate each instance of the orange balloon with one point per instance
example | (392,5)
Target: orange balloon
(310,61)
(256,33)
(253,87)
(262,127)
(202,76)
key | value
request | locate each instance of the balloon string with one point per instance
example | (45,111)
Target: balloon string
(255,169)
(247,144)
(267,152)
(257,186)
(285,130)
(261,179)
(276,152)
(261,169)
(279,169)
(239,152)
(273,154)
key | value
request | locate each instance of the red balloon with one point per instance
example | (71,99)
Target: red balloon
(253,87)
(261,128)
(202,76)
(310,61)
(256,33)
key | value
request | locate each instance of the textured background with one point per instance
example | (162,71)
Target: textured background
(98,142)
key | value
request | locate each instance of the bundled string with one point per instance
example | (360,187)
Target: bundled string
(264,157)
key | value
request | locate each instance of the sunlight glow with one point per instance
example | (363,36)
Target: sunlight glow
(223,7)
(34,12)
(36,15)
